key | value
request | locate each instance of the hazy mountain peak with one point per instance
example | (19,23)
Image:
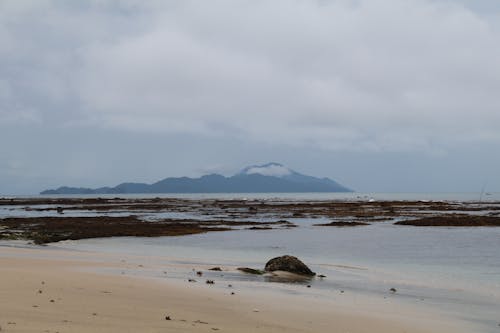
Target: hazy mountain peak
(270,169)
(266,178)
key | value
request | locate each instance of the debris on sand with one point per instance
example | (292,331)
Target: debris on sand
(250,270)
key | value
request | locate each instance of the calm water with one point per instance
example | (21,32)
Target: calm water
(455,270)
(465,196)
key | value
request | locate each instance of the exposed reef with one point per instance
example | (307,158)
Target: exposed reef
(45,219)
(454,221)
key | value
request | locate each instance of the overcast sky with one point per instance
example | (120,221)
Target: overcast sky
(380,95)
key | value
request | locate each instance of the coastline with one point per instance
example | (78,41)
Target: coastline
(87,300)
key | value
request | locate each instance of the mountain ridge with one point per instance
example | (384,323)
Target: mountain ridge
(267,178)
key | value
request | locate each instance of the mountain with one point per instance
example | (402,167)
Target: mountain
(267,178)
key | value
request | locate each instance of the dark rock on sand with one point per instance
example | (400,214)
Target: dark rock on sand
(250,270)
(217,269)
(288,264)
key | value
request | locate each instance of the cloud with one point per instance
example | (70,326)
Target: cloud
(366,75)
(269,170)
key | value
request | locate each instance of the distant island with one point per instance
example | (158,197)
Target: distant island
(267,178)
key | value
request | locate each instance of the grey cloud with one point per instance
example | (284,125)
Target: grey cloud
(340,76)
(370,68)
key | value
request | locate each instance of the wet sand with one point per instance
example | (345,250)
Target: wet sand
(46,290)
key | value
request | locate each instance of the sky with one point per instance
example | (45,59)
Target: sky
(379,95)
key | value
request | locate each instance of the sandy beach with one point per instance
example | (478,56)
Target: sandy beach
(44,290)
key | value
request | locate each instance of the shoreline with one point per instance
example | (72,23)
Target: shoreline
(137,303)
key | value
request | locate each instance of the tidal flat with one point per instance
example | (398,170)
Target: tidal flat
(367,260)
(46,220)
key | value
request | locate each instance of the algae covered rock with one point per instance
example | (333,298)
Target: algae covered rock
(288,264)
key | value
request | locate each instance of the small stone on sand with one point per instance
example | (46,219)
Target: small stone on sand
(218,269)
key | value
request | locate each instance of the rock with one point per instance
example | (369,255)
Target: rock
(210,282)
(199,273)
(341,224)
(392,290)
(250,270)
(288,264)
(218,269)
(167,318)
(321,276)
